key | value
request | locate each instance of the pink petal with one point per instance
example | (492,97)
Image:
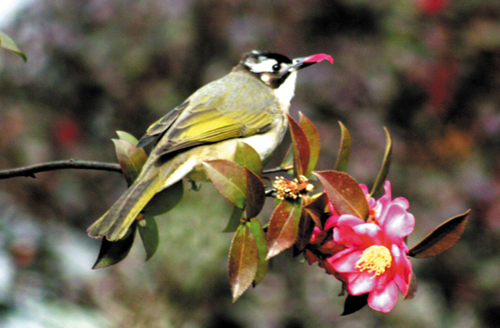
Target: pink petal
(384,299)
(368,230)
(345,261)
(361,283)
(331,221)
(401,201)
(398,223)
(344,234)
(364,188)
(402,269)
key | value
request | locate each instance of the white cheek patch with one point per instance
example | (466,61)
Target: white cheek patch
(265,78)
(265,66)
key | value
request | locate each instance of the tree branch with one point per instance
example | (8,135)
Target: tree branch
(29,171)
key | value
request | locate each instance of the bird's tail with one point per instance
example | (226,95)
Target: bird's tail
(114,224)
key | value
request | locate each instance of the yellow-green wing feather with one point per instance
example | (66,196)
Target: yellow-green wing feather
(221,110)
(159,127)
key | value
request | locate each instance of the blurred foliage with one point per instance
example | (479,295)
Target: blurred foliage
(428,70)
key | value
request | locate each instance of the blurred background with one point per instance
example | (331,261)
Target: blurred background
(428,70)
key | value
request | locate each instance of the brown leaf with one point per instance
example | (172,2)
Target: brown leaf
(316,209)
(306,227)
(344,193)
(243,261)
(313,139)
(283,227)
(301,149)
(255,194)
(442,238)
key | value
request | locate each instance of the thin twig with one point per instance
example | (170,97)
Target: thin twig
(278,169)
(29,171)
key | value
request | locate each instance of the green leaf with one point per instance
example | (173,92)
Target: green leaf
(148,230)
(412,287)
(386,163)
(441,238)
(344,154)
(354,303)
(313,139)
(130,158)
(283,227)
(243,261)
(234,221)
(229,179)
(7,43)
(301,151)
(127,136)
(261,242)
(165,200)
(112,252)
(248,157)
(344,193)
(255,194)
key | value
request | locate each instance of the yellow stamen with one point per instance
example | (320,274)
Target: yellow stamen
(375,259)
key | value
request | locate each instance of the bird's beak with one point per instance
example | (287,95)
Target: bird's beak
(299,63)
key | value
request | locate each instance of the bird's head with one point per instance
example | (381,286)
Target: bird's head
(274,69)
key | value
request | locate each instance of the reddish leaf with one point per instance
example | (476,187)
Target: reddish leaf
(261,242)
(412,288)
(344,193)
(306,227)
(344,154)
(229,179)
(248,157)
(130,158)
(255,194)
(386,163)
(313,139)
(243,261)
(301,151)
(442,238)
(316,209)
(283,227)
(148,230)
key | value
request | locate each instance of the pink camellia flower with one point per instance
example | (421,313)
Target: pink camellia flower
(374,260)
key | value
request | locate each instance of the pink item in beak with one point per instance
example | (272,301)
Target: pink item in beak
(318,58)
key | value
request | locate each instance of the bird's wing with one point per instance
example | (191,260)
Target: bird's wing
(159,127)
(219,111)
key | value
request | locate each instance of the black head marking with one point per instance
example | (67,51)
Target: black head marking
(269,67)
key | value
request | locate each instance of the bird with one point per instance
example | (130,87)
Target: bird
(250,104)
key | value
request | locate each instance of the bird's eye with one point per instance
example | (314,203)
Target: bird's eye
(276,67)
